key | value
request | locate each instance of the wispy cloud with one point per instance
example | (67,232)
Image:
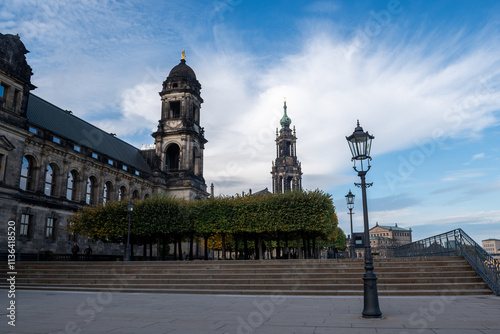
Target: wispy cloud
(464,174)
(475,157)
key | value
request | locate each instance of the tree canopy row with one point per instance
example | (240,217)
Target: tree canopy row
(279,217)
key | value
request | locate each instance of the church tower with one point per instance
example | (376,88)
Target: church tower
(286,171)
(179,139)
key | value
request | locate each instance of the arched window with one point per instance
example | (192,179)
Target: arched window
(26,182)
(90,193)
(50,180)
(146,196)
(122,193)
(135,194)
(71,188)
(106,195)
(173,158)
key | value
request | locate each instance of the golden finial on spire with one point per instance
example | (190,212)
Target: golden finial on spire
(284,100)
(183,55)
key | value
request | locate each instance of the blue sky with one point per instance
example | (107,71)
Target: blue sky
(422,76)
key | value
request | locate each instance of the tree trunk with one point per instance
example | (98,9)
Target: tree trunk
(299,248)
(259,242)
(206,246)
(180,248)
(175,248)
(236,247)
(191,241)
(245,247)
(287,253)
(224,246)
(278,248)
(305,246)
(163,248)
(256,247)
(315,254)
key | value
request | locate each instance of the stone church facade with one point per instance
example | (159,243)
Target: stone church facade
(53,163)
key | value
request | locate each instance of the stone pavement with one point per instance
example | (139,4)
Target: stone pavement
(143,313)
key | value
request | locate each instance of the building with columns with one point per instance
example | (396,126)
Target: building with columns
(53,163)
(286,170)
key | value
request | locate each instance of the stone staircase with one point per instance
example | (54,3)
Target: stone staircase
(342,277)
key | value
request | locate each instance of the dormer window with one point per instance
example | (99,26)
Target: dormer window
(56,140)
(76,148)
(111,162)
(33,130)
(95,155)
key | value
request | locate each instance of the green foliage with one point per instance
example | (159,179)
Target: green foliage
(159,216)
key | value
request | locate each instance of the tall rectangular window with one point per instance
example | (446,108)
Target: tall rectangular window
(50,229)
(26,225)
(17,95)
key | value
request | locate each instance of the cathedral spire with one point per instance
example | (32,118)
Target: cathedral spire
(285,120)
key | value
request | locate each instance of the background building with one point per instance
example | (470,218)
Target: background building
(286,170)
(383,240)
(53,163)
(492,246)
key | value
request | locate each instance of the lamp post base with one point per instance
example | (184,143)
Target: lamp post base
(371,308)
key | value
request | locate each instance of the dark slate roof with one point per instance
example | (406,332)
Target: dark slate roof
(394,228)
(182,70)
(262,192)
(47,116)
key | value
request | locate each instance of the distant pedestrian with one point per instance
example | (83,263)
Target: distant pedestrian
(88,252)
(184,256)
(75,250)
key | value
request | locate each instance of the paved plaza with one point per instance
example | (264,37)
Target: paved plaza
(140,313)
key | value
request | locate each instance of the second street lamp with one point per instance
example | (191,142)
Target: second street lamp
(350,205)
(360,143)
(130,208)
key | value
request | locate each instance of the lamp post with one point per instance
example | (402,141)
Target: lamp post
(350,205)
(130,208)
(360,145)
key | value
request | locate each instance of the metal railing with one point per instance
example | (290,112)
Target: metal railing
(456,243)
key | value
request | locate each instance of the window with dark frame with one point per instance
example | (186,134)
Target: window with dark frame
(25,226)
(50,228)
(26,173)
(49,181)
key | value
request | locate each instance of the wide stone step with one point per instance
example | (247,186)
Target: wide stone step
(403,277)
(237,281)
(217,275)
(448,292)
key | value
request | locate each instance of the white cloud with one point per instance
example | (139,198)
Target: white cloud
(97,57)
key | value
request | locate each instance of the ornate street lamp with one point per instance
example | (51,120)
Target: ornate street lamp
(360,143)
(130,208)
(350,205)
